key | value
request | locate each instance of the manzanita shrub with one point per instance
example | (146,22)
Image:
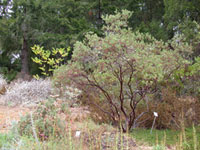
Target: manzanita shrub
(118,71)
(188,79)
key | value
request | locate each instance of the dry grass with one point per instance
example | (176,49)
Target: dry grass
(26,92)
(171,111)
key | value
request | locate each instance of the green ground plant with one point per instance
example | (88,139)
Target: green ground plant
(6,139)
(171,138)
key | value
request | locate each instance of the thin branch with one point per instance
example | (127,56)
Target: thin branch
(136,125)
(104,111)
(106,95)
(139,117)
(34,130)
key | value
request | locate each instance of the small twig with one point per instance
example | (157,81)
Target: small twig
(34,130)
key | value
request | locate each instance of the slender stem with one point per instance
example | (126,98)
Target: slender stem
(153,125)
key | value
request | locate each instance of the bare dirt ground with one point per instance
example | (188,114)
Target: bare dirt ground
(9,115)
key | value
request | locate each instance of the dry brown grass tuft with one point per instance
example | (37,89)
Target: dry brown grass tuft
(26,92)
(172,111)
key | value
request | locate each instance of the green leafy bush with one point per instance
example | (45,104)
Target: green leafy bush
(9,74)
(187,79)
(117,72)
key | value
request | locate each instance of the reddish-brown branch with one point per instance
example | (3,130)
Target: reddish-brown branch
(105,93)
(121,96)
(104,111)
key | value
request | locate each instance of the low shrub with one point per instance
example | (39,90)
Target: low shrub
(27,92)
(45,122)
(64,91)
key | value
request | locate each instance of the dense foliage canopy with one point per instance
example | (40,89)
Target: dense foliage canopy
(60,23)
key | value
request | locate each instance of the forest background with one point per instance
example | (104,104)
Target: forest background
(60,23)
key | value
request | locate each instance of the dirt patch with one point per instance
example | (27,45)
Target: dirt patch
(10,115)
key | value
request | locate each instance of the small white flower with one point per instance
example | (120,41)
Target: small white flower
(155,114)
(78,133)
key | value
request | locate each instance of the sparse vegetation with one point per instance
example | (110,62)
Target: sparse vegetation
(45,122)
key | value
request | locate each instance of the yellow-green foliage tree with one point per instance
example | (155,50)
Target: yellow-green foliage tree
(49,60)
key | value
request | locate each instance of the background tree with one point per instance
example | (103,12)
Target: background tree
(183,13)
(148,17)
(47,23)
(24,23)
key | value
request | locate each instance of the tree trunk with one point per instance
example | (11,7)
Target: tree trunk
(24,59)
(24,53)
